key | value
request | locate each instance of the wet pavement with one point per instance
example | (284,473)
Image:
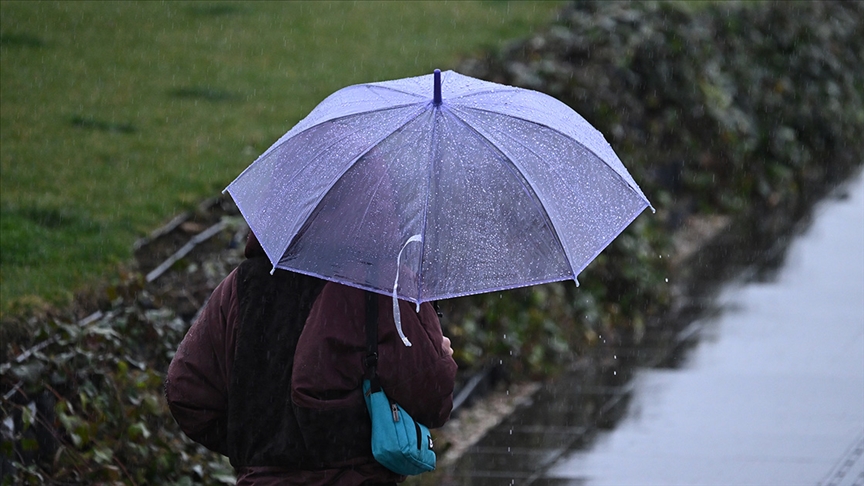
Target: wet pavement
(767,390)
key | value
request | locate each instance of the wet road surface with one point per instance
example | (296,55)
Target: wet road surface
(772,393)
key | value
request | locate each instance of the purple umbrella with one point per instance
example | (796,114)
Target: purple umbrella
(438,186)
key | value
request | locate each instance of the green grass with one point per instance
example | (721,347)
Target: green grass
(117,116)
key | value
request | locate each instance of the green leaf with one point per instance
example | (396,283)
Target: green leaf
(29,372)
(225,478)
(103,455)
(137,430)
(28,414)
(77,441)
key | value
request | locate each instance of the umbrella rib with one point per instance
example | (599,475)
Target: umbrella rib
(433,154)
(408,118)
(587,149)
(318,123)
(490,90)
(323,149)
(487,91)
(525,184)
(539,156)
(381,179)
(390,88)
(444,76)
(609,241)
(337,118)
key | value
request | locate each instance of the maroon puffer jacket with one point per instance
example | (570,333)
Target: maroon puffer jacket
(327,364)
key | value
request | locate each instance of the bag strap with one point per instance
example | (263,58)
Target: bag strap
(371,360)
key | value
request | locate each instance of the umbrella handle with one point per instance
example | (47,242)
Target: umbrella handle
(397,316)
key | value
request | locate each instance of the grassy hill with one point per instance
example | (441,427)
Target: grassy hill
(117,116)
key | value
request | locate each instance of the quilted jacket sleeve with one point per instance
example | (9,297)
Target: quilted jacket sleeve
(199,375)
(328,365)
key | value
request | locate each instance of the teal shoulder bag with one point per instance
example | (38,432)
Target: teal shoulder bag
(399,443)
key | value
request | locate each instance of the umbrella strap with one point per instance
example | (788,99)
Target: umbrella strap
(397,316)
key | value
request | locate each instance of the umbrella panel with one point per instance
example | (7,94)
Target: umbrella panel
(588,202)
(278,192)
(486,229)
(358,228)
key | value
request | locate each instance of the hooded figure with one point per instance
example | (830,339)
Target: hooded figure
(270,375)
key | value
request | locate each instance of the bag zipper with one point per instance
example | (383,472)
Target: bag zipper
(394,408)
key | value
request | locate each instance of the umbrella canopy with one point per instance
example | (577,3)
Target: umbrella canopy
(438,186)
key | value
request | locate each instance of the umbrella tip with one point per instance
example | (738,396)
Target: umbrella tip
(436,100)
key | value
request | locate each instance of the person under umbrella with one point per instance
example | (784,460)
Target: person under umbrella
(270,372)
